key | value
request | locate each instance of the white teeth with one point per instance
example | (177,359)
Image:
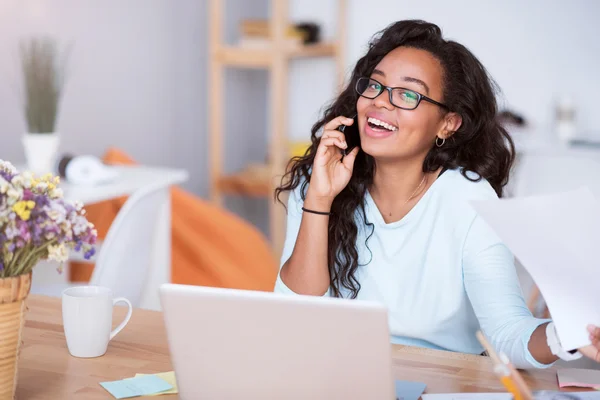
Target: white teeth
(375,121)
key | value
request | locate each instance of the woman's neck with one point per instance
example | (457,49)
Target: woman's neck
(396,182)
(397,187)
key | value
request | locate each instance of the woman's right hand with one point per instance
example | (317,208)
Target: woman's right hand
(331,170)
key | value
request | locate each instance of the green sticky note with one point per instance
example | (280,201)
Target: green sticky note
(139,386)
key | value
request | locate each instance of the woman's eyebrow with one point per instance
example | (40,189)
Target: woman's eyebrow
(378,72)
(418,82)
(406,79)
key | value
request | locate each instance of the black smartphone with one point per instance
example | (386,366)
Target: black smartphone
(352,135)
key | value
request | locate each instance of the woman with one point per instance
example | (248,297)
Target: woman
(391,221)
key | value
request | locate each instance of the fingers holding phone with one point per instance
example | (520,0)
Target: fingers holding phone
(333,130)
(351,134)
(331,169)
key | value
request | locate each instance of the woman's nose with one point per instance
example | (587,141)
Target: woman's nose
(383,101)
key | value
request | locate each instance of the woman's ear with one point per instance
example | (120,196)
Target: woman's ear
(452,122)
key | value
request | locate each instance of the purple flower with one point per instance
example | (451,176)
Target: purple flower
(6,175)
(41,201)
(52,228)
(37,233)
(88,254)
(87,237)
(11,232)
(51,220)
(24,232)
(27,194)
(69,208)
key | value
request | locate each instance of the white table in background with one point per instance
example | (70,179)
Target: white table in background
(544,164)
(535,143)
(130,179)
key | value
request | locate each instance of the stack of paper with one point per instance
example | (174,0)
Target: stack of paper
(556,238)
(579,378)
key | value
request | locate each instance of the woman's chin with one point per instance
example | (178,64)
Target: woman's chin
(389,151)
(379,150)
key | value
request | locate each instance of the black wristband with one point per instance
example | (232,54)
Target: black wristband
(316,212)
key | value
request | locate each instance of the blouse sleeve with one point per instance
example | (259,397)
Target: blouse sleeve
(294,217)
(493,288)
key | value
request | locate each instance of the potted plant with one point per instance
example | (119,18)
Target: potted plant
(42,89)
(36,223)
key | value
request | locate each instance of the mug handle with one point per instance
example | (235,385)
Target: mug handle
(127,317)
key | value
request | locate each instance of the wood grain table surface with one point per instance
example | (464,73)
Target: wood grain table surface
(47,371)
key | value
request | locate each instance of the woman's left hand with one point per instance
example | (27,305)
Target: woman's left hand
(593,350)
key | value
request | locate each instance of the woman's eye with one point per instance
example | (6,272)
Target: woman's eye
(409,97)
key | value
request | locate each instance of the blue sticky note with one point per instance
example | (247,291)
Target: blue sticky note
(138,386)
(409,390)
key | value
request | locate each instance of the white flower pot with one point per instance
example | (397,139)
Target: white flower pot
(41,151)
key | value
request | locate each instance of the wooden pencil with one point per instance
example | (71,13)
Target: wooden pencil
(503,360)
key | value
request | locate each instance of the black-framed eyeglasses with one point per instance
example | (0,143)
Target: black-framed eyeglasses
(403,98)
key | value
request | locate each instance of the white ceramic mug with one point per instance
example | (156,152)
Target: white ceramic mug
(87,319)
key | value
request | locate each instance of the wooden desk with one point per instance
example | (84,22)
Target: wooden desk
(47,371)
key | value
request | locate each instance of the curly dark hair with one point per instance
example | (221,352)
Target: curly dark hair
(480,145)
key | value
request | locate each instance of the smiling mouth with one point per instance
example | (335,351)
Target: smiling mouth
(379,125)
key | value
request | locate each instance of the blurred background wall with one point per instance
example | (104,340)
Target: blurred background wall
(137,71)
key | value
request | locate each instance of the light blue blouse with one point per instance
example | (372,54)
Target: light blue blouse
(441,272)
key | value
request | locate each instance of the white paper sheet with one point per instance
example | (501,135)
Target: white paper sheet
(557,239)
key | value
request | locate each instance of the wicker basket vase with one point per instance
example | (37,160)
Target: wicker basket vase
(13,292)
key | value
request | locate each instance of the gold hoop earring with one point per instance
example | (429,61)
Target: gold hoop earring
(438,144)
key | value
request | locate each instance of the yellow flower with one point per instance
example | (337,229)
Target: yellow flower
(23,209)
(20,208)
(46,183)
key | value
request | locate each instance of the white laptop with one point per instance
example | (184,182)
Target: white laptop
(235,344)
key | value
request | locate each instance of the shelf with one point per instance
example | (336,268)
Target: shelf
(253,181)
(313,50)
(263,57)
(272,50)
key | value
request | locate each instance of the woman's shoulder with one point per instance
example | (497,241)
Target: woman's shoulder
(456,194)
(465,185)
